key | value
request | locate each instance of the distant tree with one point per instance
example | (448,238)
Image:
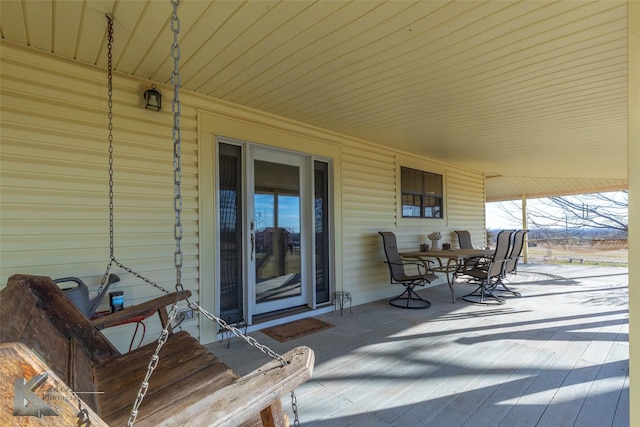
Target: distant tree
(606,213)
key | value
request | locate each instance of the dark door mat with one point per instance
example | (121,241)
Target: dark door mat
(299,328)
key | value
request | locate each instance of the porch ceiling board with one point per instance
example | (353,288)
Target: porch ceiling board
(533,91)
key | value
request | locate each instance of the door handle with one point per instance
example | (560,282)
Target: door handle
(253,245)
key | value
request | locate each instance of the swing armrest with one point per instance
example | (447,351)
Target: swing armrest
(253,393)
(144,310)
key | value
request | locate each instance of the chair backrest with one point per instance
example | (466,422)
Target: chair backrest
(516,250)
(396,268)
(503,244)
(464,239)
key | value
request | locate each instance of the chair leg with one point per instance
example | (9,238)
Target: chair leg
(409,299)
(500,282)
(483,294)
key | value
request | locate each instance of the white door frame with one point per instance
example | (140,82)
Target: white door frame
(257,152)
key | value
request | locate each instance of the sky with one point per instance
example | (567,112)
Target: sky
(289,214)
(496,218)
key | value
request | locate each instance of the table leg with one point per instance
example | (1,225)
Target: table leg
(450,279)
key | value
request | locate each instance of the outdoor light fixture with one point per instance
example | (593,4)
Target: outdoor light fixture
(152,99)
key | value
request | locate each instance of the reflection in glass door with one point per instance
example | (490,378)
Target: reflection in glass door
(278,225)
(277,256)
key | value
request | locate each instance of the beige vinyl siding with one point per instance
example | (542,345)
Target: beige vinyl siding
(369,193)
(466,201)
(370,190)
(54,180)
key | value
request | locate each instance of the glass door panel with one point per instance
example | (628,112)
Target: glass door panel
(231,232)
(278,223)
(321,228)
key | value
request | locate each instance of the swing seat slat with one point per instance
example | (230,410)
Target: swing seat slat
(190,386)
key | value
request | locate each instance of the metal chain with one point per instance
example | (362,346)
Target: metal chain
(177,168)
(176,110)
(110,126)
(251,341)
(294,408)
(237,332)
(112,258)
(83,414)
(175,107)
(153,364)
(110,138)
(139,276)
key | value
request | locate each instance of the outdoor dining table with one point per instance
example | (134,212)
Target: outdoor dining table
(455,260)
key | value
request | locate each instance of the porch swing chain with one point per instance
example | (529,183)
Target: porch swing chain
(177,204)
(223,325)
(175,107)
(112,258)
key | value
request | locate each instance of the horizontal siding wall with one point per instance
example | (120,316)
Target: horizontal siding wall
(370,205)
(54,184)
(465,203)
(54,181)
(369,194)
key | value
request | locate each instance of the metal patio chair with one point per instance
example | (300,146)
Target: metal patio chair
(464,239)
(409,298)
(488,274)
(511,264)
(464,242)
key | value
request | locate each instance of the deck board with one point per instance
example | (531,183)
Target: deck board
(558,356)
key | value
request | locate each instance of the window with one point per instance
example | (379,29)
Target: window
(321,225)
(422,194)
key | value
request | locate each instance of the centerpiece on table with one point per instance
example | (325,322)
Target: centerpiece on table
(434,237)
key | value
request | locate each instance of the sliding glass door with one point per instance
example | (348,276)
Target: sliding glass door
(274,230)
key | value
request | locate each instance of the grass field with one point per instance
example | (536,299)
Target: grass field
(574,254)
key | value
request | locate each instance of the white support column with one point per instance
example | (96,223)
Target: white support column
(633,144)
(525,247)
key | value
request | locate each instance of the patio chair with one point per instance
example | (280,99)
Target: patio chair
(409,298)
(487,275)
(464,239)
(511,264)
(504,241)
(516,251)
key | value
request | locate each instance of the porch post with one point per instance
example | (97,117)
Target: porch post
(525,245)
(633,145)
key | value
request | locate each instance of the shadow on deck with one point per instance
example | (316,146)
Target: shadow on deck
(557,356)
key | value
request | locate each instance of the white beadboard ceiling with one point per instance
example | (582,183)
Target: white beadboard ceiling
(532,93)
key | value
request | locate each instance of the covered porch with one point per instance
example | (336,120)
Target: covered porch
(436,86)
(557,356)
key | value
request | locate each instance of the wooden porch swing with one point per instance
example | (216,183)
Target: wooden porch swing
(55,363)
(88,380)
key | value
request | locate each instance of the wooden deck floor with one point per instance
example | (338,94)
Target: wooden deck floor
(557,356)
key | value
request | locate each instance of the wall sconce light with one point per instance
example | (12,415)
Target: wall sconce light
(151,99)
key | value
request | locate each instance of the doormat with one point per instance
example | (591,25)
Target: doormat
(299,328)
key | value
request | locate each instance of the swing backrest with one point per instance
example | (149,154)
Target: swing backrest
(189,387)
(34,311)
